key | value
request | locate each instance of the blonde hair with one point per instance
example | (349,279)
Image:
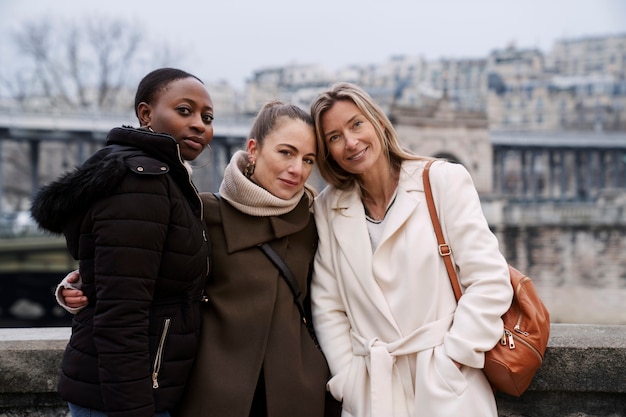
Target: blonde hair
(329,169)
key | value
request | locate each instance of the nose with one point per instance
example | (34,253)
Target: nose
(197,123)
(351,141)
(295,167)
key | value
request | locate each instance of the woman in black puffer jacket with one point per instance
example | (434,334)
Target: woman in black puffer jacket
(133,219)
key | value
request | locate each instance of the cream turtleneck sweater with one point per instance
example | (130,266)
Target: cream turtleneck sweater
(247,196)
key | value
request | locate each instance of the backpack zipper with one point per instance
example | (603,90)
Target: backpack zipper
(509,338)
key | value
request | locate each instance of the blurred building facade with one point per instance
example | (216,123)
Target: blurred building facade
(580,84)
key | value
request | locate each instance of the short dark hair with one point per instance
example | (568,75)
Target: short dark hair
(155,81)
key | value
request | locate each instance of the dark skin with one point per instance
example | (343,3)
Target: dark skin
(184,110)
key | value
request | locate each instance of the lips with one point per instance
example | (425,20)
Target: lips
(289,183)
(357,156)
(194,143)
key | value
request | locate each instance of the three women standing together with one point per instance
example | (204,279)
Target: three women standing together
(383,308)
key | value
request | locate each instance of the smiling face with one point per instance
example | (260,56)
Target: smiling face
(351,138)
(285,160)
(184,110)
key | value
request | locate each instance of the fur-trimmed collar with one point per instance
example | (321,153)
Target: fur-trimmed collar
(73,193)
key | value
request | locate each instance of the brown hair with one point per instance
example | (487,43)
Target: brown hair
(267,119)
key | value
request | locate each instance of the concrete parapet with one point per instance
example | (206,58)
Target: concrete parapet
(29,368)
(583,375)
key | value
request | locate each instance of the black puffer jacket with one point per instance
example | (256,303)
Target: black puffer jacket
(133,219)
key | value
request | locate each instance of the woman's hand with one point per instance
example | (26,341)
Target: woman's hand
(73,298)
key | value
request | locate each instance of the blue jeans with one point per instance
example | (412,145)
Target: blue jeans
(78,411)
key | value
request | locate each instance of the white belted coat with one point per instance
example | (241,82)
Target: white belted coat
(388,321)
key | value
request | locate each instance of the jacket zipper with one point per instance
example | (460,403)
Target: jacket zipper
(159,354)
(190,182)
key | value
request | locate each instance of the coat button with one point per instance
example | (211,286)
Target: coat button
(163,168)
(140,169)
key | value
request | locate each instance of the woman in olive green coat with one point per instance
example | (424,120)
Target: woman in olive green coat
(256,356)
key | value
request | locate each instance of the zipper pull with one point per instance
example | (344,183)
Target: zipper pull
(503,338)
(155,382)
(511,341)
(520,331)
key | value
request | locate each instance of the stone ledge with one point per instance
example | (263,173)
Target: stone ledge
(583,374)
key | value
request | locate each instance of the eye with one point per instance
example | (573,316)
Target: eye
(332,138)
(357,123)
(285,152)
(207,118)
(184,110)
(309,161)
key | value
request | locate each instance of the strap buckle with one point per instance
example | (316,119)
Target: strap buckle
(444,250)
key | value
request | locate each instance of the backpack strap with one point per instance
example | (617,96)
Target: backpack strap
(444,248)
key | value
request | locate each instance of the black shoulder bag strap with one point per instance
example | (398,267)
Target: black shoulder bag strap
(293,286)
(291,283)
(288,276)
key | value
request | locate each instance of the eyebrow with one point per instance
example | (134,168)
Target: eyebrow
(296,149)
(347,122)
(190,100)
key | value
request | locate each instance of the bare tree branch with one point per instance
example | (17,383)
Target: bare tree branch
(85,65)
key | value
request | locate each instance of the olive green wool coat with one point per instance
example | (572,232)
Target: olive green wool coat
(250,322)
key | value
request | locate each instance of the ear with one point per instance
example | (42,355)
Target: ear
(144,113)
(252,146)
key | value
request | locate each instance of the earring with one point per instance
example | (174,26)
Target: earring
(208,161)
(249,169)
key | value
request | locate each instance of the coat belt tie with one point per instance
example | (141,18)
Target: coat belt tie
(382,358)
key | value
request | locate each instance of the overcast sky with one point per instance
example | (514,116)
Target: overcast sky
(230,39)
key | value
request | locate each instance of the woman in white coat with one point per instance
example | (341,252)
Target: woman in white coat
(383,308)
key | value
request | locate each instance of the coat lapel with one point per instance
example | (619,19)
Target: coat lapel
(242,231)
(407,201)
(350,230)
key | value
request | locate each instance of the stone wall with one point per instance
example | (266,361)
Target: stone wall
(573,252)
(579,271)
(583,374)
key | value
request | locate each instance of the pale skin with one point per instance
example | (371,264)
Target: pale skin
(184,110)
(283,165)
(286,158)
(354,144)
